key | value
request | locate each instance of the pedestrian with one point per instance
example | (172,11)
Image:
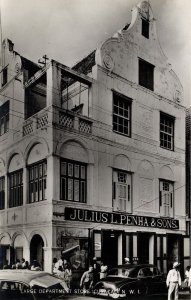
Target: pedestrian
(54,269)
(103,270)
(6,265)
(68,274)
(127,260)
(24,264)
(58,263)
(27,265)
(173,281)
(35,266)
(60,273)
(96,270)
(18,264)
(187,273)
(86,281)
(189,280)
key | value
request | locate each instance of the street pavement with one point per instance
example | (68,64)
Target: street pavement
(182,296)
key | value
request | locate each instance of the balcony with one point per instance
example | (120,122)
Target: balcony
(55,116)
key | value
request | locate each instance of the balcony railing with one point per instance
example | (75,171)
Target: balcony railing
(58,117)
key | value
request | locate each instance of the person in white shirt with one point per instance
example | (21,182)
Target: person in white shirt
(103,270)
(189,279)
(173,281)
(187,275)
(127,261)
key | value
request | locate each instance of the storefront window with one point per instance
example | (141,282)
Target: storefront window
(97,245)
(75,251)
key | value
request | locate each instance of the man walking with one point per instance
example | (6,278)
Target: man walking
(87,280)
(173,281)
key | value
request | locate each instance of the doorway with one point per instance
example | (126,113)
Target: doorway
(110,248)
(36,249)
(145,248)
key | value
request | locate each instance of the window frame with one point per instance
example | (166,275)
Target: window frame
(125,100)
(145,29)
(172,141)
(172,197)
(15,190)
(146,74)
(4,118)
(5,75)
(2,192)
(36,181)
(129,190)
(72,179)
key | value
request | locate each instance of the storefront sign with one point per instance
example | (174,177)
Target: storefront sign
(85,215)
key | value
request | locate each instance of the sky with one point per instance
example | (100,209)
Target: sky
(68,30)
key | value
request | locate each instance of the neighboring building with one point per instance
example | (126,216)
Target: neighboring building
(92,159)
(188,168)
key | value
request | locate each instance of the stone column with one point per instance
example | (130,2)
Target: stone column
(151,249)
(120,258)
(54,85)
(48,259)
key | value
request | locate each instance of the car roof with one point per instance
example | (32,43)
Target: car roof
(138,266)
(27,276)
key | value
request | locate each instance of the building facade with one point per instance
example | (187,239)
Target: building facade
(92,158)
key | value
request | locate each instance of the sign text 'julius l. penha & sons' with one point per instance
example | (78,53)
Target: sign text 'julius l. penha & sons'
(85,215)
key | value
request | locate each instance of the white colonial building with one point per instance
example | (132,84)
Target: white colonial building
(92,158)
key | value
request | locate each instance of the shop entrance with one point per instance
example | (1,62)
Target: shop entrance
(145,248)
(110,251)
(36,249)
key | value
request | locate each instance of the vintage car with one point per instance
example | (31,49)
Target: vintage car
(132,280)
(30,285)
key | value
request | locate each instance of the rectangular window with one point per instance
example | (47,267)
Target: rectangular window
(37,181)
(145,28)
(146,74)
(122,191)
(166,198)
(166,131)
(73,181)
(16,188)
(4,118)
(121,114)
(4,79)
(2,193)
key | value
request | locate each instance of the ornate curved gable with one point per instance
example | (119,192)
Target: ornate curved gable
(120,54)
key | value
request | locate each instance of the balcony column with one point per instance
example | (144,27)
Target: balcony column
(6,192)
(54,85)
(76,123)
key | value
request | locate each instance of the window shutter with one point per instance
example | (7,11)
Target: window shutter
(171,200)
(129,192)
(160,198)
(114,190)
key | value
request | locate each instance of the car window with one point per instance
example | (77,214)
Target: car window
(122,272)
(156,272)
(14,290)
(145,272)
